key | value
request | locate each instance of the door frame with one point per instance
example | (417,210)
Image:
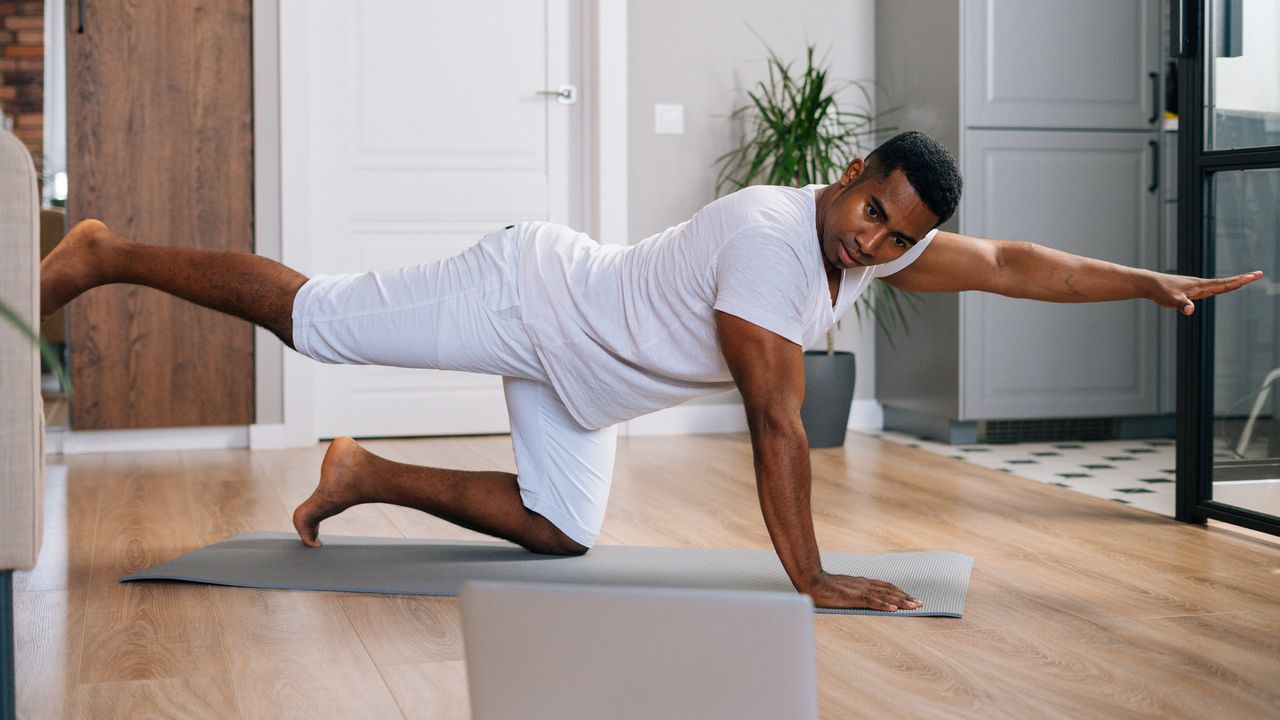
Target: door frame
(1196,167)
(285,411)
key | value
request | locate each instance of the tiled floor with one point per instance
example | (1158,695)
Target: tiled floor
(1133,472)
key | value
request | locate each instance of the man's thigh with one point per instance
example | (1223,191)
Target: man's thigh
(460,313)
(564,470)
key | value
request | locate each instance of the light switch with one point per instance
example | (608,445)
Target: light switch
(668,119)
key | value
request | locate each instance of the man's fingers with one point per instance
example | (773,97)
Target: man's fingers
(892,604)
(892,592)
(859,592)
(1195,289)
(1242,280)
(898,599)
(876,603)
(1217,286)
(881,602)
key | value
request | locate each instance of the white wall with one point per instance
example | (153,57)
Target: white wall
(704,56)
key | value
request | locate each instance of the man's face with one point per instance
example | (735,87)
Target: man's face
(873,219)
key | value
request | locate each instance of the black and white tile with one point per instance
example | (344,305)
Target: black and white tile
(1134,472)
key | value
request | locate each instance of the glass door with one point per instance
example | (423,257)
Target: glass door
(1228,223)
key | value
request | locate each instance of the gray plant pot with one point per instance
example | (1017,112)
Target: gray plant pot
(828,395)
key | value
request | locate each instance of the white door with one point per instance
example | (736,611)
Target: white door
(426,130)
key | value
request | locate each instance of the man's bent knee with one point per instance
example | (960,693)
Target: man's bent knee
(562,545)
(547,539)
(568,548)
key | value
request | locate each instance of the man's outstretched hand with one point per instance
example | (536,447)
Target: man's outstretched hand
(845,591)
(1178,291)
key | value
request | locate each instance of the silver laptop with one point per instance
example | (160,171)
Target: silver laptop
(573,652)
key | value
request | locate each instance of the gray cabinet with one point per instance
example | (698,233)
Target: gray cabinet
(1053,64)
(1084,193)
(1052,111)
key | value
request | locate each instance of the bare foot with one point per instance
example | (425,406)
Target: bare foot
(338,489)
(75,265)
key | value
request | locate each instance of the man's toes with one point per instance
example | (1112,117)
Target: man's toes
(307,529)
(310,537)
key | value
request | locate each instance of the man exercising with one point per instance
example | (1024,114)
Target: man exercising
(586,336)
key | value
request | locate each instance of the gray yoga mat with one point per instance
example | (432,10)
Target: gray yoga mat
(437,567)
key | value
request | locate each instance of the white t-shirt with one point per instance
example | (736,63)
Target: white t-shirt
(626,330)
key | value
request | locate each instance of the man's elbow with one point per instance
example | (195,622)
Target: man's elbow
(1012,254)
(1014,262)
(776,420)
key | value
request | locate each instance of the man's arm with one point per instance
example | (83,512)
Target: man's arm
(955,262)
(769,371)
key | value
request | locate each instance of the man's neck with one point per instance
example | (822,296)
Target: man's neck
(822,201)
(820,209)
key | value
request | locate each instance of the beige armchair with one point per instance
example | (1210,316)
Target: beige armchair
(21,410)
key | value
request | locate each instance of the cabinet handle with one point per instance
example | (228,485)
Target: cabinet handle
(1154,77)
(1155,165)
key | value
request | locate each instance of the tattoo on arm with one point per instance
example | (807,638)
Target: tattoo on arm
(1069,282)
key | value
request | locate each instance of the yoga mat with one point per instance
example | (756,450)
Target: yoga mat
(438,567)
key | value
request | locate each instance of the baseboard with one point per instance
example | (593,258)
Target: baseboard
(866,415)
(690,420)
(680,420)
(267,436)
(67,442)
(730,418)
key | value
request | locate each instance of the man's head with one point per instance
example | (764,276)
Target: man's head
(887,203)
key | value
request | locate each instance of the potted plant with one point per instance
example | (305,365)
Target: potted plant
(797,134)
(47,352)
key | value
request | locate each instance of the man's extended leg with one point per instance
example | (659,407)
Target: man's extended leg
(262,291)
(245,285)
(487,502)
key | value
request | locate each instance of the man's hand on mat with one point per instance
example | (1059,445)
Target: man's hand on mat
(846,591)
(1178,291)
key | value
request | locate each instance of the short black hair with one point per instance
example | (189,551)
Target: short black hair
(928,166)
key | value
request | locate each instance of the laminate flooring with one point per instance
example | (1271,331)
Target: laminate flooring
(1078,607)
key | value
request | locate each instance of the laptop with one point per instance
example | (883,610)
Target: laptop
(573,652)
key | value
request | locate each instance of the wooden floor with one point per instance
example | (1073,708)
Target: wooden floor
(1078,607)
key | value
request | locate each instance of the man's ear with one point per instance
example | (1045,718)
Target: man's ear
(851,173)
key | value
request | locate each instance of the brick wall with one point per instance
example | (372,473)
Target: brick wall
(22,71)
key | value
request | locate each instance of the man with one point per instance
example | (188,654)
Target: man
(586,336)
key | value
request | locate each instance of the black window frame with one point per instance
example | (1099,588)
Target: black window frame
(1196,168)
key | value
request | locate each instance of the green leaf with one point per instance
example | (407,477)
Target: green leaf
(46,351)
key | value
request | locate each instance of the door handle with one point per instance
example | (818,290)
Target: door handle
(1155,165)
(565,94)
(1154,77)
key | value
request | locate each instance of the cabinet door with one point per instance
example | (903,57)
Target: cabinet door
(1085,193)
(1054,64)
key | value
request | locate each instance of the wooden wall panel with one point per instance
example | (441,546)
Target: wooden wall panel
(160,147)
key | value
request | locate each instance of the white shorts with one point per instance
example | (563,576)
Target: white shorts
(463,313)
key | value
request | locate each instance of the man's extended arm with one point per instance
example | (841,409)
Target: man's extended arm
(769,371)
(1026,270)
